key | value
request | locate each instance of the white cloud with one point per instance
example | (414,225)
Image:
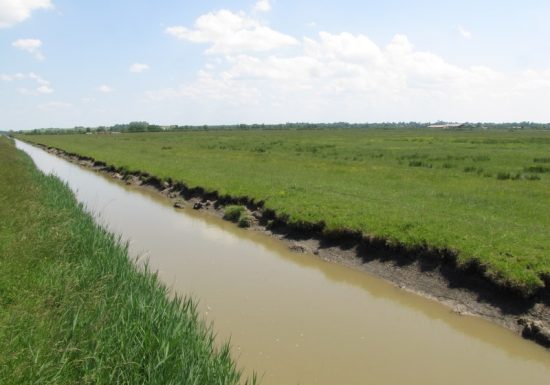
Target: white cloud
(105,89)
(344,46)
(31,46)
(464,32)
(45,89)
(350,77)
(138,67)
(16,11)
(262,6)
(41,85)
(231,33)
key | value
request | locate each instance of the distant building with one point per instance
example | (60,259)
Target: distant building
(448,125)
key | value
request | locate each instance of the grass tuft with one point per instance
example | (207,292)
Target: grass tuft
(233,212)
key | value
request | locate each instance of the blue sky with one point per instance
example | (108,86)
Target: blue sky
(69,63)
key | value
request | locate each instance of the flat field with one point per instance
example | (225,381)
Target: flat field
(74,309)
(483,194)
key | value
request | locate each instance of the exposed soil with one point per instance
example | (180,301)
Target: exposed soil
(428,272)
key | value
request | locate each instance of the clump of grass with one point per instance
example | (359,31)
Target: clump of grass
(537,169)
(75,309)
(419,163)
(541,160)
(477,170)
(233,212)
(237,214)
(503,175)
(480,158)
(532,177)
(244,220)
(508,176)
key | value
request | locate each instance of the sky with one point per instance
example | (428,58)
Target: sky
(90,63)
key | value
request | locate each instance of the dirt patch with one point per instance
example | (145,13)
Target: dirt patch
(429,272)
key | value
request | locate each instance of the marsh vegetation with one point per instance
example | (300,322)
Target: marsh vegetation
(483,195)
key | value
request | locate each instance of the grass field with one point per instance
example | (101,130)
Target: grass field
(75,310)
(483,194)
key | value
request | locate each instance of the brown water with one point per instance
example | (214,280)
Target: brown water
(294,318)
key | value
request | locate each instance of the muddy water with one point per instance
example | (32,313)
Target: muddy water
(293,318)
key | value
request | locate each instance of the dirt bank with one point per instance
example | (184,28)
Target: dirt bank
(429,272)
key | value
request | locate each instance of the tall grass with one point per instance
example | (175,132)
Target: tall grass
(75,310)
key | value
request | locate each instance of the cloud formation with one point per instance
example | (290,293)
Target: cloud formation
(138,68)
(31,46)
(262,6)
(104,88)
(16,11)
(41,85)
(464,32)
(228,33)
(346,76)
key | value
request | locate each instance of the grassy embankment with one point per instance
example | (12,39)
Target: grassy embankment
(75,309)
(483,194)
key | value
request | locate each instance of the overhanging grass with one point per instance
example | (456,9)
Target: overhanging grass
(471,192)
(75,309)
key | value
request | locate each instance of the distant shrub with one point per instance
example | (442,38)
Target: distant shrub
(447,165)
(541,160)
(469,169)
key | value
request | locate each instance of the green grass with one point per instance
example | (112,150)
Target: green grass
(480,193)
(238,214)
(233,212)
(75,310)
